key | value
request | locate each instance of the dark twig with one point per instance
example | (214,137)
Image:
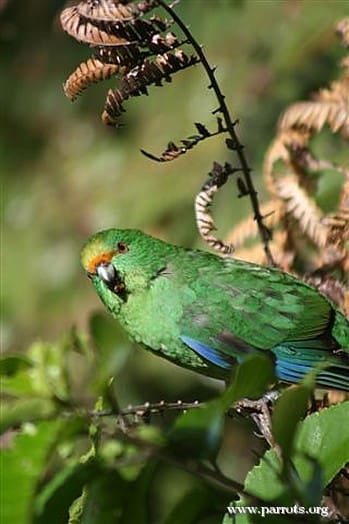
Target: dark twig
(152,408)
(258,410)
(234,142)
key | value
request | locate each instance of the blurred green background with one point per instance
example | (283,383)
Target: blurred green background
(65,175)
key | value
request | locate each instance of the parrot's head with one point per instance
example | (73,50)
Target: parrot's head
(122,261)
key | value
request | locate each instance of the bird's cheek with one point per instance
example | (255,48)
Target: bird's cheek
(136,283)
(111,300)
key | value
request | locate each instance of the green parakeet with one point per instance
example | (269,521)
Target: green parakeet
(207,313)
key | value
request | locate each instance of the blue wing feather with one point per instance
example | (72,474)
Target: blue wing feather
(209,353)
(291,363)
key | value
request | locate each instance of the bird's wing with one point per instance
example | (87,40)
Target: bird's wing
(242,307)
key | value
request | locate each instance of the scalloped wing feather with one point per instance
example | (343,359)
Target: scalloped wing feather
(257,305)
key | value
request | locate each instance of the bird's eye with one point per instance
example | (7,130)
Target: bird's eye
(122,247)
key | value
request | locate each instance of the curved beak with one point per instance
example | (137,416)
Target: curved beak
(108,274)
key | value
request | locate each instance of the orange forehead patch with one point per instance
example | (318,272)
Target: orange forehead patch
(101,258)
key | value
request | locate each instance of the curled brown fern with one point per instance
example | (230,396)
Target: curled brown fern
(303,230)
(134,46)
(127,46)
(87,73)
(218,176)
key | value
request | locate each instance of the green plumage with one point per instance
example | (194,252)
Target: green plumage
(207,313)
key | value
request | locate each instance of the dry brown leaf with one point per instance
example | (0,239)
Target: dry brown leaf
(282,250)
(343,30)
(87,73)
(110,10)
(315,114)
(281,149)
(113,107)
(337,242)
(84,31)
(302,208)
(205,223)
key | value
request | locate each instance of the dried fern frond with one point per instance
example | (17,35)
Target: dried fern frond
(84,31)
(173,150)
(113,107)
(329,106)
(125,43)
(218,176)
(337,245)
(283,250)
(110,10)
(86,74)
(136,81)
(291,146)
(331,287)
(303,209)
(102,22)
(302,230)
(247,229)
(281,150)
(125,55)
(129,43)
(155,72)
(314,115)
(343,31)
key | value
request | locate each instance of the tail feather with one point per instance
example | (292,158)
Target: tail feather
(293,363)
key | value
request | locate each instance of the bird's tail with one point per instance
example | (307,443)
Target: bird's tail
(330,366)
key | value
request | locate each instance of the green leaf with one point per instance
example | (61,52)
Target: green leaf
(195,504)
(50,375)
(12,364)
(43,374)
(53,503)
(324,436)
(289,409)
(24,463)
(20,384)
(198,432)
(21,410)
(104,499)
(76,509)
(151,434)
(264,479)
(250,380)
(322,439)
(136,507)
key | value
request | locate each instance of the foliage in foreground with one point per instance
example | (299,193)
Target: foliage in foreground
(71,455)
(77,458)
